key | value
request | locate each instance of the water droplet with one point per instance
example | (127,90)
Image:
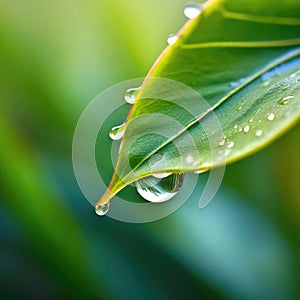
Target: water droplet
(247,129)
(271,117)
(129,96)
(230,145)
(285,100)
(259,133)
(250,120)
(239,108)
(192,10)
(235,126)
(154,190)
(117,132)
(161,175)
(172,39)
(101,210)
(189,159)
(222,143)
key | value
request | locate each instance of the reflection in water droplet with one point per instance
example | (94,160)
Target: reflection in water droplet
(192,10)
(155,190)
(117,132)
(271,117)
(101,210)
(246,129)
(230,145)
(129,96)
(259,133)
(172,39)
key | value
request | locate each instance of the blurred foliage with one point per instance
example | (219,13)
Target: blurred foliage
(55,57)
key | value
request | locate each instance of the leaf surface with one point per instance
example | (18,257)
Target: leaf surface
(227,87)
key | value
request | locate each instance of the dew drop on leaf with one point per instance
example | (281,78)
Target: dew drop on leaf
(117,132)
(129,96)
(246,128)
(259,133)
(271,117)
(222,143)
(230,145)
(285,100)
(156,191)
(161,175)
(189,159)
(192,10)
(101,210)
(172,39)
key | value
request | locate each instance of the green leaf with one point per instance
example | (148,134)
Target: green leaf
(241,58)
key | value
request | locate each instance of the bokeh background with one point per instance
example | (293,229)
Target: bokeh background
(55,57)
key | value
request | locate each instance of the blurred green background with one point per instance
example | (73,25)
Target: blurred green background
(55,57)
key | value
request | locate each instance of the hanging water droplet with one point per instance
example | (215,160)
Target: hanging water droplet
(259,133)
(129,96)
(172,39)
(246,128)
(154,190)
(271,117)
(230,145)
(192,10)
(102,210)
(285,100)
(117,132)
